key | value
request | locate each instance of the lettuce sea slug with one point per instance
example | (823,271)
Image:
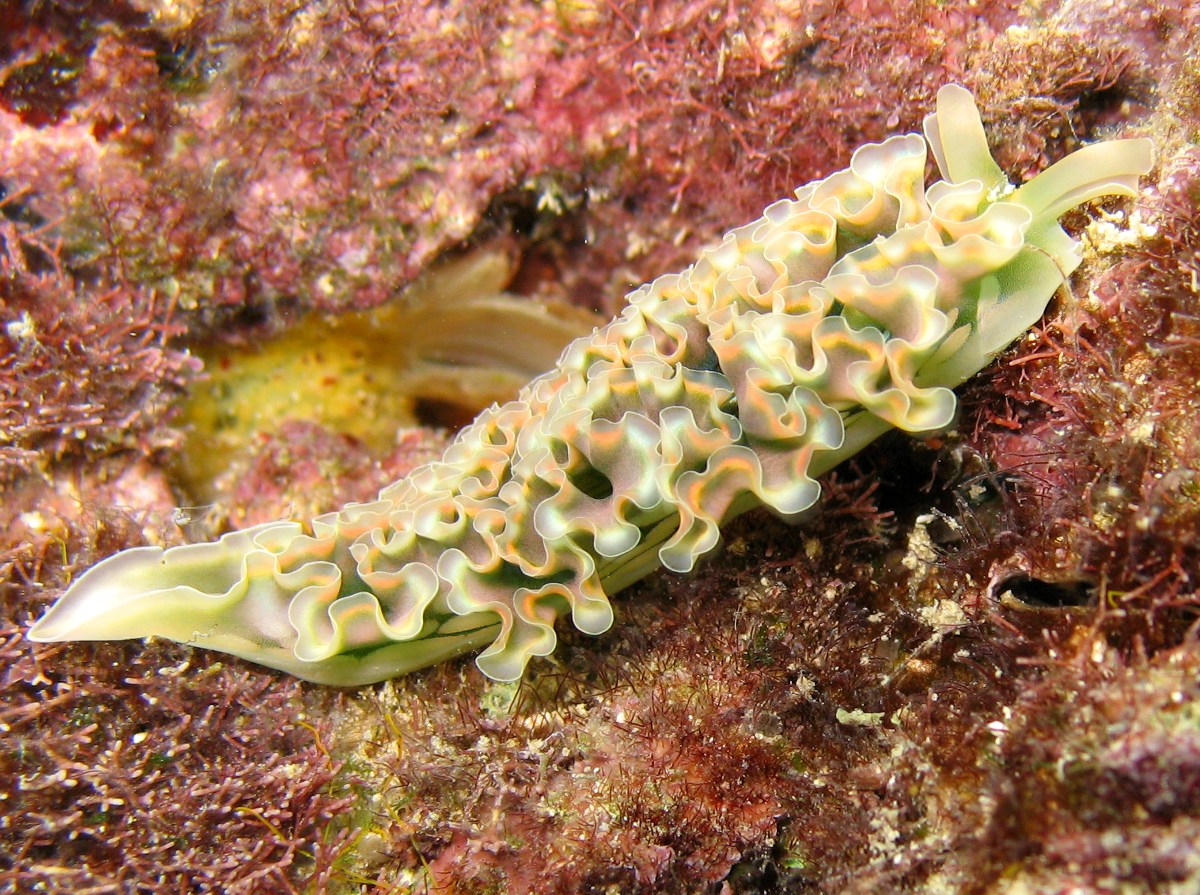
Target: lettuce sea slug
(852,308)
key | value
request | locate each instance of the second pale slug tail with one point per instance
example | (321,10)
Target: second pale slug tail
(850,309)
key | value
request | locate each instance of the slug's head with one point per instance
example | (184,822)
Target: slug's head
(976,194)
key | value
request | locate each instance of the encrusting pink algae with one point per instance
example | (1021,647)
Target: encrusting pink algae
(974,669)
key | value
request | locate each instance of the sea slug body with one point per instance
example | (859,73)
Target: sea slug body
(852,308)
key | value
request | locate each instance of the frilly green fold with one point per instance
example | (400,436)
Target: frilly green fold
(854,307)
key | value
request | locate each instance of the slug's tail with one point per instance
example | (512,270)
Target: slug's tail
(176,592)
(236,595)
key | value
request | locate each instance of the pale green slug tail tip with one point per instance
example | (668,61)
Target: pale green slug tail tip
(854,307)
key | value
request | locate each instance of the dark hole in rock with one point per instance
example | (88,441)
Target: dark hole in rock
(444,414)
(40,91)
(1046,594)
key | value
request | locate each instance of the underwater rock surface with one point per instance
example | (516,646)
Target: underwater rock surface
(971,671)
